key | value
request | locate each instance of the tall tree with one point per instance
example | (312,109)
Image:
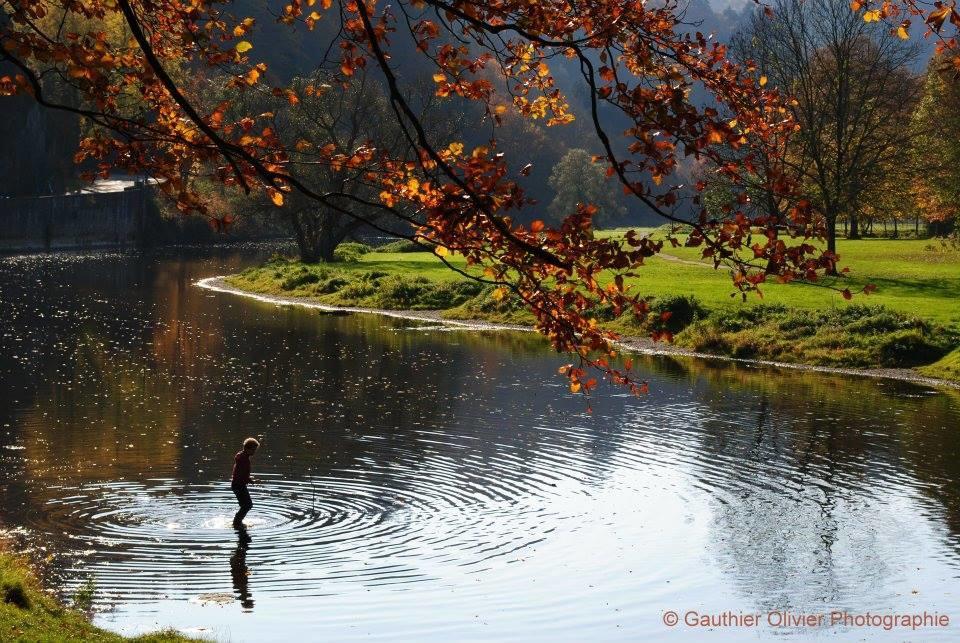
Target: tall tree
(853,94)
(322,115)
(935,154)
(576,179)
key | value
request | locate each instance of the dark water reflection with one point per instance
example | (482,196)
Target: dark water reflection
(443,484)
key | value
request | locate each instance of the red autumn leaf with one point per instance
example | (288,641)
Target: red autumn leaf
(937,17)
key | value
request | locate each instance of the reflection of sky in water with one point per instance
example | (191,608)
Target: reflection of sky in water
(441,485)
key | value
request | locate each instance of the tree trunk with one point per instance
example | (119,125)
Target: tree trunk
(329,239)
(302,233)
(831,218)
(854,232)
(318,234)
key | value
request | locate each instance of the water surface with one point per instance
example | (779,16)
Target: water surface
(443,484)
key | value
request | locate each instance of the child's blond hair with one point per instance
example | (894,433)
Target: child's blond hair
(251,442)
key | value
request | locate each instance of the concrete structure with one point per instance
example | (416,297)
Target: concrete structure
(81,220)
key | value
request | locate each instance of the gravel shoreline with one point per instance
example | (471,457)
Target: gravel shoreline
(643,345)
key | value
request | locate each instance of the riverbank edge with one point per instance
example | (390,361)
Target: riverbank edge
(28,612)
(634,344)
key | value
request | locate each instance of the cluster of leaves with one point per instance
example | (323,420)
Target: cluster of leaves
(637,60)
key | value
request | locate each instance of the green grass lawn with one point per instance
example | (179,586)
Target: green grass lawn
(910,277)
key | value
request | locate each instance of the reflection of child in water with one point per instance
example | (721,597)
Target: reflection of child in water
(241,478)
(239,570)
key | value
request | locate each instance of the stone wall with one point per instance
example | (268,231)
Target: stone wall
(74,220)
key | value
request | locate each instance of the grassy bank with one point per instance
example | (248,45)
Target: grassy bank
(27,613)
(913,320)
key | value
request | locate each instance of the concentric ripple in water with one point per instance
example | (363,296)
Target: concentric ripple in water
(147,540)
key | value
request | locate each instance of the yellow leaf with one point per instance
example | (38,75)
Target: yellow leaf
(441,251)
(871,16)
(763,81)
(276,196)
(499,293)
(413,185)
(439,78)
(902,33)
(574,387)
(243,46)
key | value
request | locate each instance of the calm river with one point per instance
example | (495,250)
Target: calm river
(421,483)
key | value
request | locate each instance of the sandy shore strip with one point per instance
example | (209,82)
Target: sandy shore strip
(642,345)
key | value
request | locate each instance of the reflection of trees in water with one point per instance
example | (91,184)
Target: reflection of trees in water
(803,465)
(147,376)
(105,398)
(364,393)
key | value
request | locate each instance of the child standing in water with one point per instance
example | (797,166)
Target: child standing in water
(241,478)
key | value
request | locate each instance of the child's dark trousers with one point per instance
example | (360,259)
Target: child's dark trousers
(243,497)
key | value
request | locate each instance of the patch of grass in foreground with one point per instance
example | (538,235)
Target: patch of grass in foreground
(27,613)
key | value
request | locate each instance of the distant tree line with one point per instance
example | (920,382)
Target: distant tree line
(877,146)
